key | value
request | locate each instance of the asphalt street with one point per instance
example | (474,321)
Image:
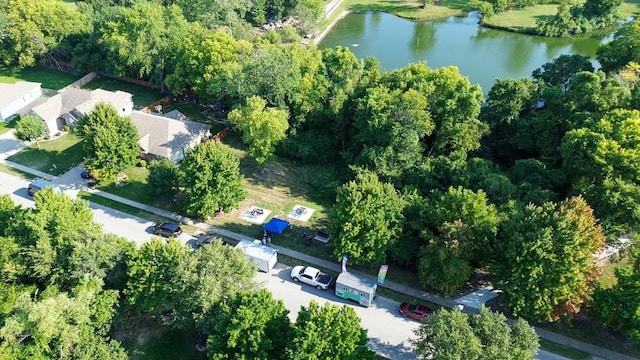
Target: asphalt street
(388,331)
(113,221)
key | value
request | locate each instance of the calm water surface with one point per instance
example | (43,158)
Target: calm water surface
(481,54)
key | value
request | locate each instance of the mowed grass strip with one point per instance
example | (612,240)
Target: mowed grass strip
(64,152)
(49,78)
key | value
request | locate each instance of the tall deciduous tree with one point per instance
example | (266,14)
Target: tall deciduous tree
(111,141)
(547,262)
(62,326)
(366,219)
(624,48)
(560,71)
(262,128)
(212,180)
(602,161)
(328,332)
(140,40)
(389,128)
(204,278)
(251,325)
(152,271)
(32,29)
(451,334)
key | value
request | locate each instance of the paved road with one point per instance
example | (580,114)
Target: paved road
(388,331)
(113,221)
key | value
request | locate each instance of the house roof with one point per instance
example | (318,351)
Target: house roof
(161,136)
(9,93)
(84,101)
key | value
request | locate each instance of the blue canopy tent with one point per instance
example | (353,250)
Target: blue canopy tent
(276,226)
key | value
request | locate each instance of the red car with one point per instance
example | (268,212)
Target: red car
(415,311)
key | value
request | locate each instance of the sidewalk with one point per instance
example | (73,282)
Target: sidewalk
(71,183)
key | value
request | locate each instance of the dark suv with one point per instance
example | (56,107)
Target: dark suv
(167,230)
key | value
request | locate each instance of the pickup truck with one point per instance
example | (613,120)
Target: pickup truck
(312,276)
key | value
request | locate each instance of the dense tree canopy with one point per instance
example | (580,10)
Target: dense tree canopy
(451,334)
(211,178)
(262,128)
(547,261)
(366,219)
(110,140)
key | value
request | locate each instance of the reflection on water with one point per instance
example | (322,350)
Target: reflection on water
(481,54)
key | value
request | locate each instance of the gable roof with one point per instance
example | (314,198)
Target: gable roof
(9,93)
(163,136)
(83,101)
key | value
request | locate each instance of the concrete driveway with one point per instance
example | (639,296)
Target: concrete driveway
(9,145)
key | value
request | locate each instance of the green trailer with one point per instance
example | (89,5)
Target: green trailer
(356,288)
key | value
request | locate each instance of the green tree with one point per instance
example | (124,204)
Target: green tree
(47,235)
(366,219)
(211,178)
(454,105)
(110,140)
(262,128)
(451,334)
(624,48)
(602,161)
(207,64)
(33,29)
(206,278)
(140,40)
(152,270)
(460,227)
(164,177)
(619,305)
(61,326)
(389,128)
(269,74)
(250,325)
(595,92)
(547,262)
(30,128)
(328,332)
(561,70)
(447,335)
(310,14)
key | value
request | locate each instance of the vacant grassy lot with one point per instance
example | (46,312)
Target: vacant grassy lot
(50,79)
(142,95)
(64,152)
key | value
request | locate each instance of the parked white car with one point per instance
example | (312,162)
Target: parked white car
(312,276)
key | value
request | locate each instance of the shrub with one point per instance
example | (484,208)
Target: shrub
(30,128)
(142,163)
(163,177)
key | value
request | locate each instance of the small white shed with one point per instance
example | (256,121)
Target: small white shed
(264,256)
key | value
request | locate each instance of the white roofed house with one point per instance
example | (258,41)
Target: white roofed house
(14,97)
(69,105)
(167,136)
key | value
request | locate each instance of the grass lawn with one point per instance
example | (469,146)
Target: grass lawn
(142,95)
(6,126)
(50,78)
(65,152)
(519,20)
(562,350)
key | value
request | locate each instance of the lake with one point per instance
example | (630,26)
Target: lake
(481,54)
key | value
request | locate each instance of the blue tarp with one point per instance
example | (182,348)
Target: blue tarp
(276,226)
